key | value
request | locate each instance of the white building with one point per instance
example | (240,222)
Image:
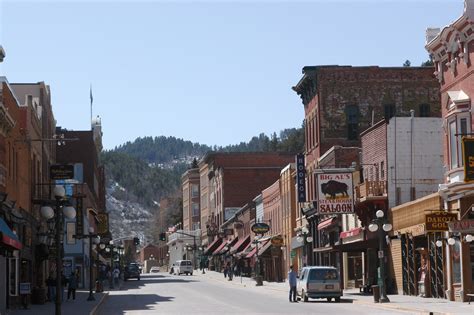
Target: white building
(184,245)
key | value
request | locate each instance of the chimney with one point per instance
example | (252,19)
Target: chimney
(431,33)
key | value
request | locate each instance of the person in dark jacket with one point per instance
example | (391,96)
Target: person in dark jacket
(292,282)
(72,286)
(51,284)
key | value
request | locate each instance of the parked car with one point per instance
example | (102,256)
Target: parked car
(319,282)
(155,269)
(131,271)
(183,266)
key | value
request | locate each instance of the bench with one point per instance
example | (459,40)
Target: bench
(470,296)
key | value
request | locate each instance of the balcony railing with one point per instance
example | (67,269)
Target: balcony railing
(370,189)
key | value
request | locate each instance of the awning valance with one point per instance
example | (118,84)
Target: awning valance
(7,236)
(227,244)
(327,223)
(211,248)
(240,245)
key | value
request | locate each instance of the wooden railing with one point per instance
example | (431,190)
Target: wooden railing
(371,189)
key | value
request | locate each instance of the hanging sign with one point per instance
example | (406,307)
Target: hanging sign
(300,178)
(260,228)
(102,223)
(438,221)
(335,193)
(277,241)
(468,157)
(463,226)
(61,171)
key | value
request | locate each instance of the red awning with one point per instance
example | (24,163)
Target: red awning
(216,252)
(260,247)
(264,248)
(350,233)
(7,236)
(229,244)
(240,245)
(327,223)
(211,248)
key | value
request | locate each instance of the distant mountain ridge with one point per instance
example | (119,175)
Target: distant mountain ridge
(150,168)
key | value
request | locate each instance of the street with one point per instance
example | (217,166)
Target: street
(162,293)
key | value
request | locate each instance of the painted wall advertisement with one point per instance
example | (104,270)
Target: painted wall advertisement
(335,193)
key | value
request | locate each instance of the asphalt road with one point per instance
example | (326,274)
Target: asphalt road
(162,293)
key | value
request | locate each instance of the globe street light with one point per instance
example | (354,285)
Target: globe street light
(305,238)
(61,209)
(380,225)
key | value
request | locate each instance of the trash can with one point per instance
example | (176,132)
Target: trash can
(376,291)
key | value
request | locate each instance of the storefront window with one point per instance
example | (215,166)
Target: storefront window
(456,249)
(13,276)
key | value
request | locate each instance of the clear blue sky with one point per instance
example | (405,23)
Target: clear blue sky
(216,72)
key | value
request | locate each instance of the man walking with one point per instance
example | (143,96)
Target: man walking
(292,281)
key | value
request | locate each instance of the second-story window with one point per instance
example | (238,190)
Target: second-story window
(424,110)
(194,191)
(195,209)
(389,111)
(352,118)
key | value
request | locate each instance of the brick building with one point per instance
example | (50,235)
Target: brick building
(191,200)
(452,50)
(232,180)
(341,101)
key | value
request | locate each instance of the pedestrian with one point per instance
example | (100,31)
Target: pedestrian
(116,276)
(231,271)
(72,286)
(225,270)
(51,284)
(64,283)
(292,282)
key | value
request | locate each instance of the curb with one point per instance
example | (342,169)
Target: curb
(102,300)
(399,308)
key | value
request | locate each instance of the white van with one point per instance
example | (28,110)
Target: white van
(319,283)
(183,266)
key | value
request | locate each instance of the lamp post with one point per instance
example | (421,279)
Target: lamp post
(61,208)
(258,277)
(381,225)
(201,259)
(93,238)
(306,239)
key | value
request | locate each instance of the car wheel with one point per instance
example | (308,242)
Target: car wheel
(338,299)
(191,274)
(329,299)
(304,296)
(138,278)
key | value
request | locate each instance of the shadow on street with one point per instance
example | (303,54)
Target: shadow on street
(141,302)
(132,284)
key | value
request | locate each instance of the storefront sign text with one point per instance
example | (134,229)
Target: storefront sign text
(438,221)
(468,156)
(463,226)
(300,178)
(335,193)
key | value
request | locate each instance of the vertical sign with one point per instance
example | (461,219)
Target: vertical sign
(468,155)
(300,178)
(79,219)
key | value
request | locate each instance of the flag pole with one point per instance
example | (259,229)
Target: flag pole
(92,100)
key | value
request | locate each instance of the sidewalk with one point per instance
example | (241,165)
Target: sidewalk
(404,303)
(80,306)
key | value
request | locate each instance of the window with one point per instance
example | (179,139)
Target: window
(458,126)
(453,145)
(13,270)
(352,118)
(70,232)
(424,110)
(382,170)
(195,209)
(195,190)
(389,111)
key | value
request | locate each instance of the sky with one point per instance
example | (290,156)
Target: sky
(213,72)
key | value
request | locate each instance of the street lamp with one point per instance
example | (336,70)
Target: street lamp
(379,224)
(305,238)
(61,208)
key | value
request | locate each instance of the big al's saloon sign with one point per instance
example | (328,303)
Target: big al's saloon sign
(335,193)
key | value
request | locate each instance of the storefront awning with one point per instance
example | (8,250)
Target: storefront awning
(240,245)
(211,248)
(227,244)
(7,236)
(261,245)
(264,248)
(295,243)
(327,223)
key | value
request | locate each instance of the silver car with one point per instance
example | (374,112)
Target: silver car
(319,282)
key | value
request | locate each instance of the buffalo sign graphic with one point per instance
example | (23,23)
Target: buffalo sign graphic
(335,193)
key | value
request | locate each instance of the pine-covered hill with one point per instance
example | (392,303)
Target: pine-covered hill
(140,173)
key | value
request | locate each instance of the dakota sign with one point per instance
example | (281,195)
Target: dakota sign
(438,221)
(335,193)
(260,228)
